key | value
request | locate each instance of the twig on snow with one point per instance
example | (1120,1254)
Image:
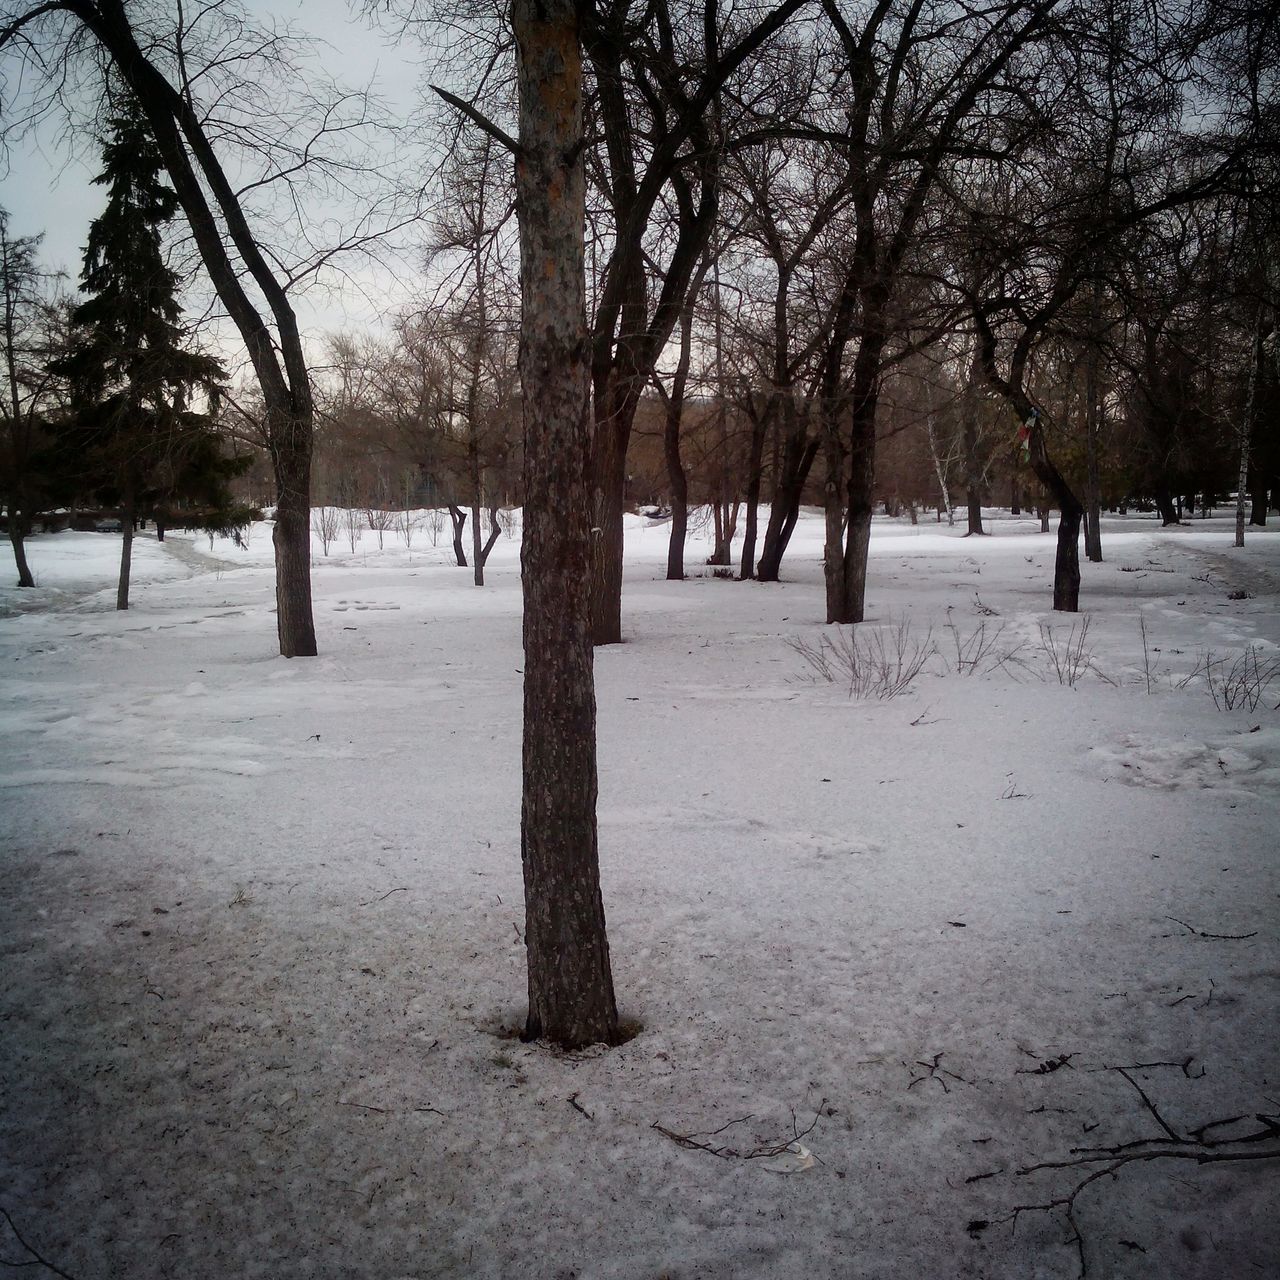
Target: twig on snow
(37,1259)
(572,1100)
(689,1141)
(1108,1162)
(1222,937)
(935,1071)
(374,901)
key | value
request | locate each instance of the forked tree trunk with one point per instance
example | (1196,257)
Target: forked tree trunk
(571,1000)
(482,544)
(459,519)
(797,459)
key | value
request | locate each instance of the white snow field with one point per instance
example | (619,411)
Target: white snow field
(261,922)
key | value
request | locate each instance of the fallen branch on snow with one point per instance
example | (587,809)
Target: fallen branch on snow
(36,1259)
(690,1141)
(1194,1145)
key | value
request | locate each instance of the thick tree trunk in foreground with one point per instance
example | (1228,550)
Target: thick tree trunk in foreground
(571,1000)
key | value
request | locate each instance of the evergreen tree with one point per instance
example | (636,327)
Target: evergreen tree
(133,429)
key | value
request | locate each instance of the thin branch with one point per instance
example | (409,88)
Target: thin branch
(37,1259)
(480,120)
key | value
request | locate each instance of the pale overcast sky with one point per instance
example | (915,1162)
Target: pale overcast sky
(49,190)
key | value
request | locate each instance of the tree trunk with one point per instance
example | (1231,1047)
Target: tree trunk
(1167,508)
(608,503)
(755,470)
(1092,430)
(847,579)
(128,514)
(676,477)
(972,459)
(1066,568)
(797,460)
(1246,426)
(495,532)
(291,539)
(17,536)
(571,999)
(459,518)
(477,546)
(1258,497)
(938,470)
(679,483)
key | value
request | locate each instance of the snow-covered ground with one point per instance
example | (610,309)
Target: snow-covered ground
(260,921)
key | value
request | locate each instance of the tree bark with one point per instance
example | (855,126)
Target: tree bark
(571,999)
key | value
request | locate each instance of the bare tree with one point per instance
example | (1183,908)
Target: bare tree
(205,83)
(27,383)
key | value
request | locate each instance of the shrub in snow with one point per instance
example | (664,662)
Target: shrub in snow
(873,664)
